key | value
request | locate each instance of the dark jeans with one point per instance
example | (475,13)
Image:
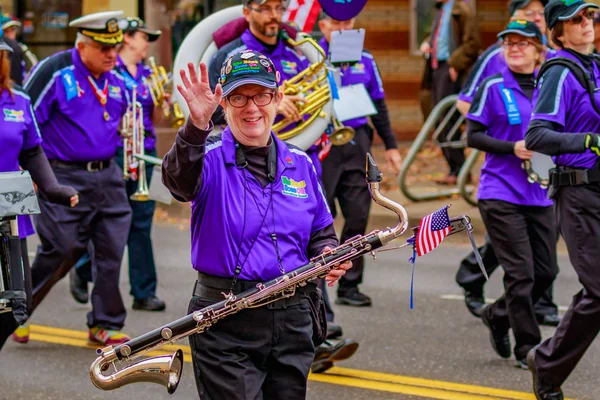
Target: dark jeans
(258,353)
(103,216)
(444,87)
(8,323)
(525,241)
(344,179)
(470,278)
(579,213)
(142,269)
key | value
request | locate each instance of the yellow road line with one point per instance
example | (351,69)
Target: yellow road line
(420,387)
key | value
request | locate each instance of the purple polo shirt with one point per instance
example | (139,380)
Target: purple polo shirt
(563,101)
(231,200)
(501,105)
(365,71)
(143,97)
(490,62)
(18,132)
(74,125)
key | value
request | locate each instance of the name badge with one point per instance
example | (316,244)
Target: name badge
(510,104)
(69,83)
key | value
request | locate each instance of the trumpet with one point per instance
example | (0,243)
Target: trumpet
(132,131)
(157,82)
(166,370)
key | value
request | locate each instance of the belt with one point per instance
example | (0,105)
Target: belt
(91,166)
(571,177)
(213,287)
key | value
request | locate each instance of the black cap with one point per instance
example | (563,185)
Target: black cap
(245,68)
(523,28)
(563,10)
(519,4)
(133,24)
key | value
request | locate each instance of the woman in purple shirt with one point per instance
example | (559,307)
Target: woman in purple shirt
(21,141)
(565,124)
(518,216)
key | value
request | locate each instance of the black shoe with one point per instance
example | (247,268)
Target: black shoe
(79,287)
(499,337)
(522,363)
(330,352)
(151,303)
(334,331)
(474,301)
(352,297)
(549,319)
(541,390)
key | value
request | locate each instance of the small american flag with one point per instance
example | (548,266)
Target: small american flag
(432,230)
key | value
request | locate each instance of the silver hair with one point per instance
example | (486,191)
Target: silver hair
(81,38)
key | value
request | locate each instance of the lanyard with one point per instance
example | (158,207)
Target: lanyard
(101,95)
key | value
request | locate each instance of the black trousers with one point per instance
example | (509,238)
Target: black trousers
(579,216)
(344,180)
(470,278)
(525,240)
(103,216)
(444,87)
(8,323)
(258,353)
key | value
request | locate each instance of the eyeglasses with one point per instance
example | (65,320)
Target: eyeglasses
(103,49)
(261,99)
(579,19)
(533,13)
(522,45)
(268,10)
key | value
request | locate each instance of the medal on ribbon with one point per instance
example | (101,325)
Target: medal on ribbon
(101,95)
(106,116)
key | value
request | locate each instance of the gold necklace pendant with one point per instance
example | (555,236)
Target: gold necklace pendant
(106,116)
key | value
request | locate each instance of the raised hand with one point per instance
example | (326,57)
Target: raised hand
(196,91)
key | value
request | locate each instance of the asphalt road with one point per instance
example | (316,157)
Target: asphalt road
(435,351)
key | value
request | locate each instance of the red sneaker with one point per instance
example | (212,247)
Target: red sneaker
(107,337)
(21,334)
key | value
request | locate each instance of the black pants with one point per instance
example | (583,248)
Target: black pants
(344,179)
(525,240)
(579,216)
(444,87)
(258,353)
(102,216)
(8,323)
(142,270)
(470,278)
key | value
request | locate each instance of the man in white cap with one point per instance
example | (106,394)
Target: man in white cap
(79,101)
(10,27)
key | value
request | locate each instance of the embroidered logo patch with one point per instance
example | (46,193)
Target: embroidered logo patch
(289,67)
(293,188)
(14,115)
(114,92)
(358,68)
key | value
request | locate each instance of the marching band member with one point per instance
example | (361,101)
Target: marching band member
(490,62)
(264,35)
(276,219)
(78,101)
(565,124)
(520,220)
(344,167)
(142,270)
(21,142)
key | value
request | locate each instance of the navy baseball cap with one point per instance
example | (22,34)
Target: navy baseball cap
(523,28)
(563,10)
(248,67)
(519,4)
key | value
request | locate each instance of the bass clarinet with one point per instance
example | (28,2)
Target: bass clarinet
(166,370)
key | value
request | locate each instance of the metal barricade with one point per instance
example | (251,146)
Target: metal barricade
(463,177)
(454,139)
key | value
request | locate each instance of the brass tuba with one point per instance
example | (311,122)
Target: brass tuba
(312,83)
